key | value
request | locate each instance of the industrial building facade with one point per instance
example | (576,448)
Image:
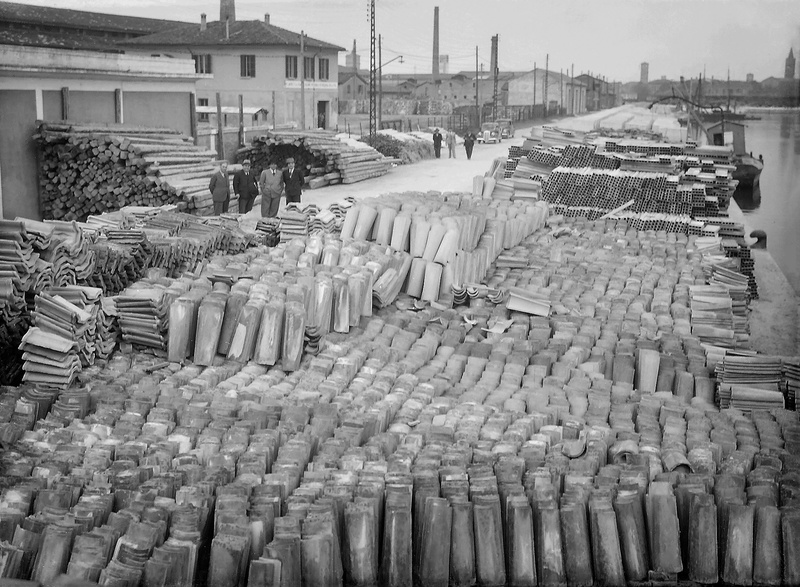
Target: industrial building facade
(265,64)
(84,87)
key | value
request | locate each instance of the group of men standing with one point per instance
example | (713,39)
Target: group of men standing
(450,141)
(272,184)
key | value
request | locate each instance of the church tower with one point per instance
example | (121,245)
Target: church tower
(790,66)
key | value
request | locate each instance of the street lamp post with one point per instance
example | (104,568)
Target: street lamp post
(380,87)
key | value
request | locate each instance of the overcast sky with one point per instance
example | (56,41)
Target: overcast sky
(606,37)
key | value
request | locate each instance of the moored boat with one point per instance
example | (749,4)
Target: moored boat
(748,170)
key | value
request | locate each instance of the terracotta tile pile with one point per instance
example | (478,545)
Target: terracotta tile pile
(33,257)
(293,224)
(791,378)
(143,312)
(63,336)
(304,416)
(749,382)
(387,457)
(16,264)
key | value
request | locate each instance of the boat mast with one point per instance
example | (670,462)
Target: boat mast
(729,89)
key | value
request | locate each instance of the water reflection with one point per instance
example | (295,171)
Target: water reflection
(777,136)
(786,126)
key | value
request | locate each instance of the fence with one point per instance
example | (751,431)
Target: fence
(207,137)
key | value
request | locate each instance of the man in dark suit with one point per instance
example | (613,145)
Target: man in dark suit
(245,185)
(220,189)
(293,181)
(437,143)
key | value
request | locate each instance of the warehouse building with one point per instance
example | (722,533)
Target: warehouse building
(58,64)
(541,88)
(86,67)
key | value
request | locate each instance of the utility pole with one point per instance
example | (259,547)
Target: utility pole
(372,71)
(241,120)
(533,114)
(302,80)
(572,84)
(495,72)
(220,135)
(477,86)
(561,96)
(380,85)
(546,84)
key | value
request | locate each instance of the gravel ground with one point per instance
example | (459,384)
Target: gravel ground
(774,324)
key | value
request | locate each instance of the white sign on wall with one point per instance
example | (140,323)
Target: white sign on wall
(291,84)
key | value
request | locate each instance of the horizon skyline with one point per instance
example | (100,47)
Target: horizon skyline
(682,37)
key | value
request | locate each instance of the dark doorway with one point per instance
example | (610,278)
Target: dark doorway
(322,109)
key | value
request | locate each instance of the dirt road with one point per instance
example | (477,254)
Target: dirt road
(444,175)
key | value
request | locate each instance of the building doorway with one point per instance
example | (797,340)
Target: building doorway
(322,114)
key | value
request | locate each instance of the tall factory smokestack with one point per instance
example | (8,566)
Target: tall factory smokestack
(227,10)
(435,69)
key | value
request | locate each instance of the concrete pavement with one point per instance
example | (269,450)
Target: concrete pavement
(444,175)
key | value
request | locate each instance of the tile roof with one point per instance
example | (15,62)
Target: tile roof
(12,12)
(73,41)
(242,32)
(346,74)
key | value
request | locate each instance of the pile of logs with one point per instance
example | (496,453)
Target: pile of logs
(325,158)
(91,169)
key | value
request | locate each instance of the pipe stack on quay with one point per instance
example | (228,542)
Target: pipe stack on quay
(328,158)
(92,169)
(453,390)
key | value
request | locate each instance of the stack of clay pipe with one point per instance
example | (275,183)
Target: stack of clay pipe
(451,240)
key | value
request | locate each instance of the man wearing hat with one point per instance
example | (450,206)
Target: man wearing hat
(437,143)
(245,185)
(220,188)
(271,182)
(293,181)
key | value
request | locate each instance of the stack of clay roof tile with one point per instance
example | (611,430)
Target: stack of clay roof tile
(749,382)
(62,339)
(293,224)
(143,313)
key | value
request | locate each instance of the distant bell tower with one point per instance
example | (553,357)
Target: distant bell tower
(227,10)
(790,65)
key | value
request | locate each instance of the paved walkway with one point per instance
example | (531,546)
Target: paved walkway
(444,175)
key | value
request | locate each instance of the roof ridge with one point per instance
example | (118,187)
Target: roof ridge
(248,30)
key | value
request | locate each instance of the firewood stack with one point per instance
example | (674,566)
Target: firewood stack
(86,169)
(325,159)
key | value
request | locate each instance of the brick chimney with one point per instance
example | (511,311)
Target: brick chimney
(227,10)
(203,23)
(266,18)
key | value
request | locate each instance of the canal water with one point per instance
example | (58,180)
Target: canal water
(774,206)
